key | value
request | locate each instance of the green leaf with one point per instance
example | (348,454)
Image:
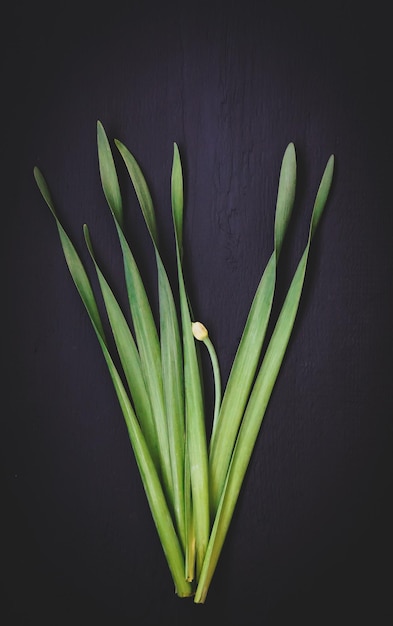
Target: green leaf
(171,348)
(177,197)
(195,416)
(146,337)
(129,358)
(141,189)
(246,360)
(259,400)
(110,183)
(150,479)
(74,263)
(285,197)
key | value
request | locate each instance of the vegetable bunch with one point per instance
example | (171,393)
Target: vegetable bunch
(192,481)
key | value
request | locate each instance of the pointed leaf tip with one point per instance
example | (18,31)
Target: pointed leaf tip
(108,174)
(291,146)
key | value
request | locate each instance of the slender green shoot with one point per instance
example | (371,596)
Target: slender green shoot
(247,357)
(171,348)
(150,478)
(200,332)
(195,416)
(129,358)
(142,317)
(259,399)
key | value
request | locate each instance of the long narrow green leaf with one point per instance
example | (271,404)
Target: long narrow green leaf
(195,417)
(129,358)
(142,317)
(74,263)
(190,553)
(259,399)
(171,349)
(151,482)
(156,498)
(173,377)
(177,198)
(141,189)
(109,180)
(248,353)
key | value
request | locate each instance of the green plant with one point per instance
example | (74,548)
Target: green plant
(192,484)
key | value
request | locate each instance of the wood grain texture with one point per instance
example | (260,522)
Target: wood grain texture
(232,83)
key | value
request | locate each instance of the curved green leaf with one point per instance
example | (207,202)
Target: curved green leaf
(171,349)
(129,358)
(150,479)
(259,399)
(246,360)
(144,326)
(109,180)
(195,416)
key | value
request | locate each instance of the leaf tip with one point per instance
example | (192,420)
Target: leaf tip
(100,129)
(290,152)
(37,173)
(87,237)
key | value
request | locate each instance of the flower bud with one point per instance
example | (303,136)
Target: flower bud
(199,331)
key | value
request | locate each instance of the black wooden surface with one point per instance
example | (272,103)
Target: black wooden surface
(232,83)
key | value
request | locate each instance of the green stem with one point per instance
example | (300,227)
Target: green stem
(216,376)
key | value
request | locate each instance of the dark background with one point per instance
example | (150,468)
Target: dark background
(232,83)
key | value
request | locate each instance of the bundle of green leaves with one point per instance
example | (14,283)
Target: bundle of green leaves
(192,481)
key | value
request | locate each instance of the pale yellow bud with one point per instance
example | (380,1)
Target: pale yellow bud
(199,331)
